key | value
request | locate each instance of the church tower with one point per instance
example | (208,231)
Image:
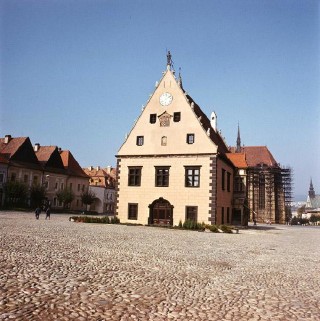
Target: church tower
(311,193)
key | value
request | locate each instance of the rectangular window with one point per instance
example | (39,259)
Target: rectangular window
(56,186)
(153,118)
(139,140)
(228,214)
(162,176)
(35,180)
(190,138)
(134,177)
(62,186)
(25,179)
(192,176)
(79,186)
(1,177)
(71,186)
(132,211)
(239,184)
(223,174)
(228,181)
(176,117)
(222,215)
(192,213)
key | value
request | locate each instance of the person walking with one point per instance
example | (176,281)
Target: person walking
(48,212)
(37,212)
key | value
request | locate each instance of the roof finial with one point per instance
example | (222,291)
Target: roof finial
(238,149)
(169,61)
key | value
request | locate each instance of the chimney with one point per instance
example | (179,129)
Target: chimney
(90,168)
(36,147)
(98,168)
(108,169)
(7,139)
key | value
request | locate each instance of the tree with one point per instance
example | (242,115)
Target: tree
(16,193)
(65,196)
(301,210)
(87,197)
(37,195)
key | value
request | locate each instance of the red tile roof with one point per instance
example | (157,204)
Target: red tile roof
(71,165)
(256,155)
(238,159)
(10,148)
(44,153)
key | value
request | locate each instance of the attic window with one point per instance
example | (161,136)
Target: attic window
(139,140)
(153,118)
(176,117)
(190,138)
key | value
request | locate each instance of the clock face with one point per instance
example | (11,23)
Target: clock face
(166,99)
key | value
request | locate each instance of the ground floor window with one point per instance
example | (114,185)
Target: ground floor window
(192,213)
(132,211)
(222,215)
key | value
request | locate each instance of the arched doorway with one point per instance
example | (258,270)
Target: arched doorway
(160,212)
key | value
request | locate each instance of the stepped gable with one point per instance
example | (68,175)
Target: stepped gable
(71,165)
(214,136)
(238,159)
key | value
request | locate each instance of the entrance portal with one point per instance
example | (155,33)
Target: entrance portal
(160,213)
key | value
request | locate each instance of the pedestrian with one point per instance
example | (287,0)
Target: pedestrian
(37,212)
(48,213)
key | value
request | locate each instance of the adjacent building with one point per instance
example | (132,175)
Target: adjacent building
(102,185)
(45,166)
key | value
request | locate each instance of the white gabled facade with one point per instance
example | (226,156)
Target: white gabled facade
(170,164)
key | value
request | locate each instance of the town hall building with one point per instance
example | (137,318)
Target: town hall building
(173,165)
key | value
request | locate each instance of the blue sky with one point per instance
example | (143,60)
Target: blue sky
(76,73)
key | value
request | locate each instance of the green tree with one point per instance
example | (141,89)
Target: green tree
(65,196)
(87,197)
(37,195)
(16,194)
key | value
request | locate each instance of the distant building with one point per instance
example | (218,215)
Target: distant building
(45,166)
(313,202)
(102,184)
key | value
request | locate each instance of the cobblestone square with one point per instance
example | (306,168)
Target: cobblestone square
(60,270)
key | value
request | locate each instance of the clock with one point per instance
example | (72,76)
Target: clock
(166,99)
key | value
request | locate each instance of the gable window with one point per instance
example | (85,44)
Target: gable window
(153,118)
(190,138)
(228,181)
(164,141)
(132,211)
(25,179)
(139,140)
(223,175)
(162,176)
(192,213)
(192,176)
(134,178)
(35,180)
(176,117)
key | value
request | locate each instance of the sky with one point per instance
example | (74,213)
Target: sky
(76,73)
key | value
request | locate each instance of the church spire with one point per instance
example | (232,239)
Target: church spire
(312,193)
(238,149)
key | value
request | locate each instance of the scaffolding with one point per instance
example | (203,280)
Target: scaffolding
(269,193)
